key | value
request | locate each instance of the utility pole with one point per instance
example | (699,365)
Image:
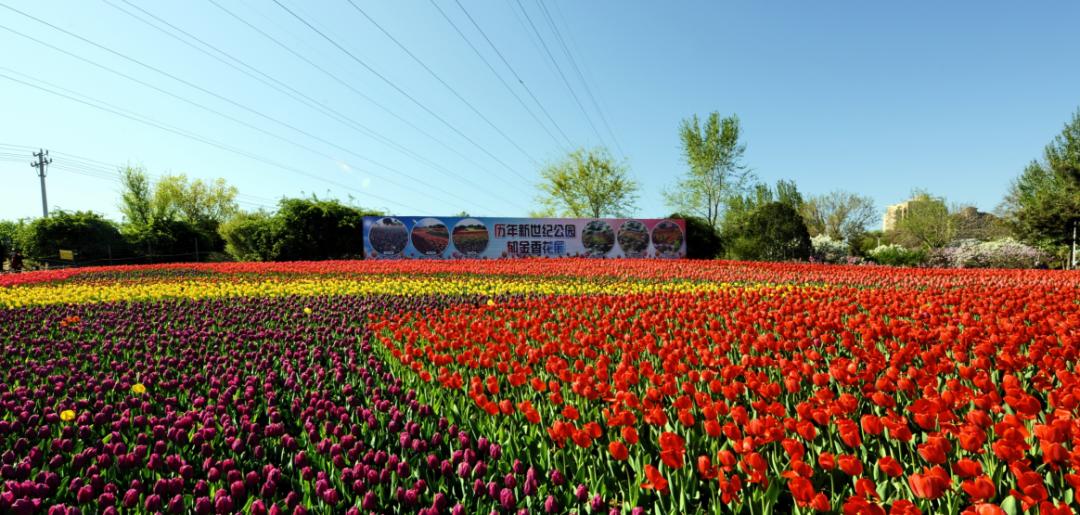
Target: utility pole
(43,160)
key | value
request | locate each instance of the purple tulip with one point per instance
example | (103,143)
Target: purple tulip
(551,505)
(506,499)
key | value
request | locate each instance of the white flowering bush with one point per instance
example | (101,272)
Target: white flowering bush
(1003,253)
(829,250)
(896,255)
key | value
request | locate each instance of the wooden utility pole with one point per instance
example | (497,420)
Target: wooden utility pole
(42,161)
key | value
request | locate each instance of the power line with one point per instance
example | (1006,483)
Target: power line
(511,68)
(359,93)
(118,111)
(559,69)
(236,64)
(396,87)
(581,76)
(496,73)
(211,93)
(113,171)
(443,82)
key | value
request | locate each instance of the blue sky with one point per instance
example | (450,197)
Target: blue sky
(871,97)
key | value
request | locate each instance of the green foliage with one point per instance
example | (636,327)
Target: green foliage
(136,198)
(716,171)
(587,184)
(741,206)
(702,241)
(897,255)
(89,235)
(310,229)
(10,235)
(250,236)
(867,241)
(772,232)
(1043,204)
(177,198)
(164,240)
(174,217)
(926,223)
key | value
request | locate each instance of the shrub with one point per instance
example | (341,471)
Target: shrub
(772,232)
(829,250)
(165,240)
(250,236)
(897,255)
(89,235)
(702,241)
(1003,253)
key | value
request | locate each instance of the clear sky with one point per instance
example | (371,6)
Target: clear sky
(871,97)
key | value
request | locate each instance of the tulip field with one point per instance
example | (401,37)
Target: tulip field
(539,386)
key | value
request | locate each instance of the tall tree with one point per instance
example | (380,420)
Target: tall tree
(587,183)
(840,215)
(716,171)
(1043,204)
(136,198)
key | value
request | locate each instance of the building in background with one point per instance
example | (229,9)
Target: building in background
(893,214)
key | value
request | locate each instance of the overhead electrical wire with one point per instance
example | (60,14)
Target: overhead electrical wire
(215,95)
(65,164)
(397,88)
(514,72)
(290,91)
(440,80)
(356,91)
(580,75)
(36,83)
(497,74)
(558,68)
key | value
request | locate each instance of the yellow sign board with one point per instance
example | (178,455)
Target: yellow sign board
(67,255)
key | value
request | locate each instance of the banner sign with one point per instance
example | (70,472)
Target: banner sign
(418,237)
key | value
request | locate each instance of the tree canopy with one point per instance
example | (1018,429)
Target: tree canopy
(773,231)
(926,222)
(587,184)
(714,156)
(839,214)
(1043,203)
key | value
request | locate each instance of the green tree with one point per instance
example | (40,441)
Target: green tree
(136,197)
(250,236)
(10,235)
(310,229)
(194,201)
(174,216)
(716,171)
(739,207)
(772,232)
(840,215)
(926,222)
(89,235)
(587,184)
(1043,203)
